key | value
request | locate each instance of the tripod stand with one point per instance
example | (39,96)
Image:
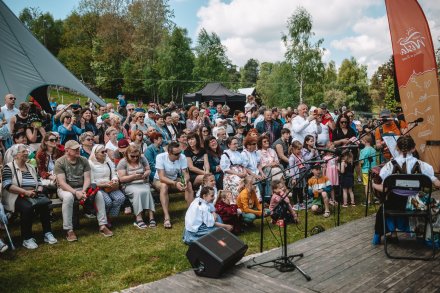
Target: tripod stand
(284,263)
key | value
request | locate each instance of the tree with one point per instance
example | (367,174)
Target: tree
(249,73)
(211,63)
(353,81)
(175,64)
(47,30)
(378,89)
(303,55)
(275,86)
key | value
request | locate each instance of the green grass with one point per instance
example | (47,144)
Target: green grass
(129,258)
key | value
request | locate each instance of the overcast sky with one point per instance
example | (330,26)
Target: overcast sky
(253,28)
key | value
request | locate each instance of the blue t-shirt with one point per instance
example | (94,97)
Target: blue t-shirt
(368,155)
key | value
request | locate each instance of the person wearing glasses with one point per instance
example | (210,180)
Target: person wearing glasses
(304,124)
(139,123)
(20,181)
(46,156)
(128,117)
(343,132)
(137,139)
(103,174)
(73,178)
(22,118)
(68,130)
(172,174)
(9,109)
(243,121)
(149,120)
(133,172)
(86,140)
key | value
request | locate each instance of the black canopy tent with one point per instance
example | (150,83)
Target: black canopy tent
(219,94)
(27,67)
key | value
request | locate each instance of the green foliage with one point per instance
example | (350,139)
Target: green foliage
(353,81)
(389,99)
(175,64)
(303,55)
(249,73)
(275,86)
(211,63)
(47,30)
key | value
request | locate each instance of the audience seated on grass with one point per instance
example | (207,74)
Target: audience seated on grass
(199,219)
(277,210)
(319,188)
(133,172)
(228,211)
(73,177)
(172,174)
(103,174)
(22,192)
(248,202)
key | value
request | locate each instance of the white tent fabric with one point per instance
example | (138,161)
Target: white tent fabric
(25,64)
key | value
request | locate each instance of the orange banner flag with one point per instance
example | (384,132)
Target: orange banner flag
(416,72)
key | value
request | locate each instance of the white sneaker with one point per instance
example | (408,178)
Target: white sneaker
(30,243)
(49,238)
(3,246)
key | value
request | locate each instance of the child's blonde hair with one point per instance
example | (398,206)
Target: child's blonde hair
(296,145)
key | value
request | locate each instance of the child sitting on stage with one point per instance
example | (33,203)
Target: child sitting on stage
(248,203)
(199,220)
(319,186)
(276,210)
(228,211)
(209,181)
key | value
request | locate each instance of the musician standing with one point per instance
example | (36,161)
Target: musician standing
(389,127)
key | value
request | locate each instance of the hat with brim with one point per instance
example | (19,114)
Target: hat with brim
(105,116)
(72,144)
(323,106)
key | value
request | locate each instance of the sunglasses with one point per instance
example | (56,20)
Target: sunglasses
(140,134)
(343,122)
(12,98)
(205,131)
(68,117)
(141,116)
(130,109)
(89,139)
(134,157)
(176,155)
(52,139)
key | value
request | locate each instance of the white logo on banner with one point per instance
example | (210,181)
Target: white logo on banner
(412,42)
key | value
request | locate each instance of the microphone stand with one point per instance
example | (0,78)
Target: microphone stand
(285,263)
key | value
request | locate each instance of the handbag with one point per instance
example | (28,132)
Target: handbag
(114,186)
(39,200)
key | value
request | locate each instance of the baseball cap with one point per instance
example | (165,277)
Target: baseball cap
(72,144)
(385,113)
(105,116)
(61,107)
(123,145)
(323,106)
(151,110)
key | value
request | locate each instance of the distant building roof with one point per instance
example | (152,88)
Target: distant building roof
(247,91)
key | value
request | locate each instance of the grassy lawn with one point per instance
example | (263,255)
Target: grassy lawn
(130,258)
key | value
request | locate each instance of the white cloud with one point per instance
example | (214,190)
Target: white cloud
(253,28)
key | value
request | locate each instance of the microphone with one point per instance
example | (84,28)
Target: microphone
(325,150)
(315,162)
(418,120)
(388,119)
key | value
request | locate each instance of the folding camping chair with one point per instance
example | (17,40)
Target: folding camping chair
(397,188)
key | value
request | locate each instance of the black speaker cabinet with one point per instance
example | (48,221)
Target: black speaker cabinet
(214,253)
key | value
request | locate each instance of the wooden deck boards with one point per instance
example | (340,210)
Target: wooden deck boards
(339,260)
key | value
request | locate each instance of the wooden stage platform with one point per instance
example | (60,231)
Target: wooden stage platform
(338,260)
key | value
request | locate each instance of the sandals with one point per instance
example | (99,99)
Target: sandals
(140,224)
(326,214)
(167,224)
(152,224)
(344,205)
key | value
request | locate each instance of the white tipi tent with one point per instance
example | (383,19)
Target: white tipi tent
(26,65)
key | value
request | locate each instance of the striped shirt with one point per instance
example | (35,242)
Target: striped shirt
(26,182)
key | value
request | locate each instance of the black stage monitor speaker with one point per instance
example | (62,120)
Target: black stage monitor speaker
(214,253)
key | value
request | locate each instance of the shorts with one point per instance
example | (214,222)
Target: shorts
(365,179)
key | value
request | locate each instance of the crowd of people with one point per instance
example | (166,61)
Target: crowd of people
(231,166)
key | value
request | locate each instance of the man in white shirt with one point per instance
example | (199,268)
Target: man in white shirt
(260,116)
(9,109)
(303,125)
(170,167)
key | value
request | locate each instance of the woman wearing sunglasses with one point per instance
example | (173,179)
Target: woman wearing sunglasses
(46,156)
(133,172)
(87,141)
(103,174)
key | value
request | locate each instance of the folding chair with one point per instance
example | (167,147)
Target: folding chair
(397,188)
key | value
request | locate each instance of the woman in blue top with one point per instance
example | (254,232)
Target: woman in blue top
(68,130)
(152,151)
(87,123)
